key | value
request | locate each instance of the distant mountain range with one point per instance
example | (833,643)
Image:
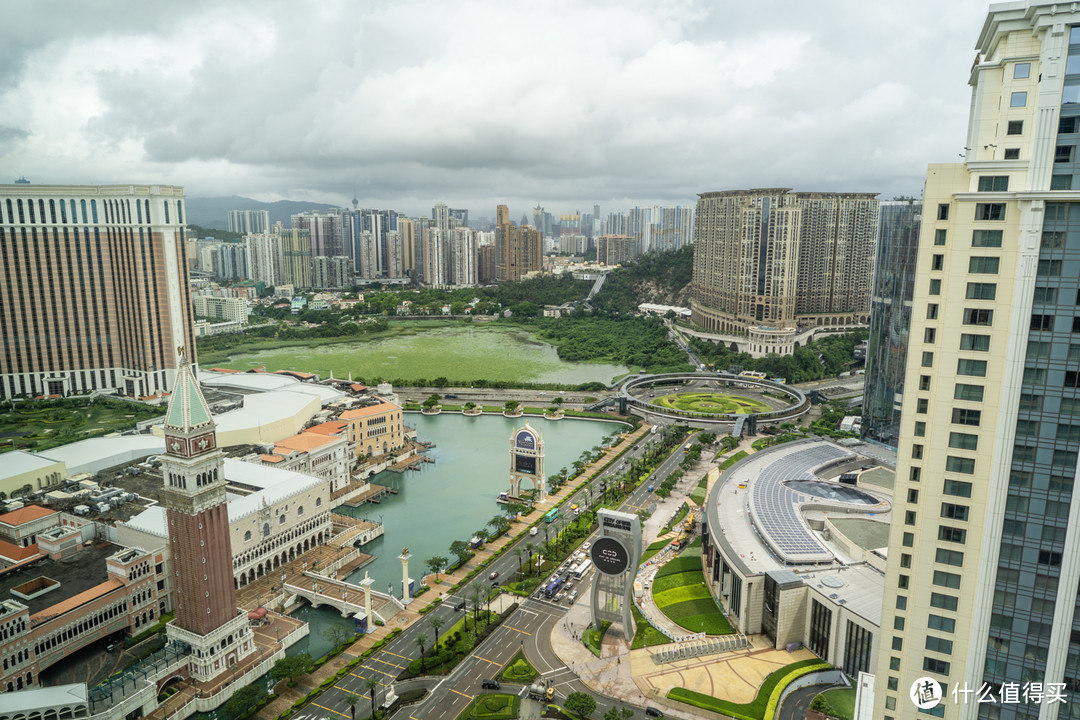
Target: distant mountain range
(213,212)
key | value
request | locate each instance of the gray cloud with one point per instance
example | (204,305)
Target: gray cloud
(475,103)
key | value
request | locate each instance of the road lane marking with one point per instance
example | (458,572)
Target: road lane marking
(486,660)
(461,694)
(516,630)
(329,710)
(387,662)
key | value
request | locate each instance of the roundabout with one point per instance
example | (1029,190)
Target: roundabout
(710,399)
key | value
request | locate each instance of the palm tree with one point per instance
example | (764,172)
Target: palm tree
(474,595)
(520,552)
(351,699)
(421,640)
(436,623)
(370,683)
(530,548)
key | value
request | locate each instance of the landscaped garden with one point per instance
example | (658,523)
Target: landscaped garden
(492,706)
(44,424)
(712,403)
(839,703)
(645,635)
(518,670)
(680,592)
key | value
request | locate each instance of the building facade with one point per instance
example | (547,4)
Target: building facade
(95,288)
(614,250)
(781,260)
(376,429)
(249,221)
(264,258)
(223,308)
(890,319)
(981,587)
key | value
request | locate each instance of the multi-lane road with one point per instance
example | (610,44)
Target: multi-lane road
(527,629)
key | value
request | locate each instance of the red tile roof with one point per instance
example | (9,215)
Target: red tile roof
(25,515)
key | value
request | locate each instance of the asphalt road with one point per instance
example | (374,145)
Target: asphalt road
(527,629)
(798,702)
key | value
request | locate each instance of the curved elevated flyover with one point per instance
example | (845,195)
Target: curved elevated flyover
(799,403)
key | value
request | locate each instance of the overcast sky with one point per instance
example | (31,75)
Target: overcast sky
(476,103)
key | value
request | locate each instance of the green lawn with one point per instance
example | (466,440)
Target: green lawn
(698,494)
(840,703)
(457,352)
(733,459)
(646,635)
(712,403)
(679,591)
(653,549)
(518,670)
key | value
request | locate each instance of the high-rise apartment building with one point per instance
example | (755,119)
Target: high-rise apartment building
(984,557)
(616,249)
(332,273)
(264,257)
(440,215)
(783,261)
(94,289)
(409,231)
(295,257)
(890,319)
(249,221)
(330,233)
(230,261)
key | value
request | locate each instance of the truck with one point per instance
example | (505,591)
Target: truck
(541,691)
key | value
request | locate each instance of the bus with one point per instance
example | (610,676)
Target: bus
(553,587)
(582,568)
(552,515)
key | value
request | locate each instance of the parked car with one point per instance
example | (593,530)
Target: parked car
(654,712)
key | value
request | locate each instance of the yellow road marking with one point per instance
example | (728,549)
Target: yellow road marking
(461,693)
(395,654)
(377,670)
(388,663)
(329,710)
(486,660)
(516,630)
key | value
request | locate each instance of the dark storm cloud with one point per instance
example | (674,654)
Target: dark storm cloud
(472,103)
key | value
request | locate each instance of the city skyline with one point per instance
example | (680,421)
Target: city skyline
(549,106)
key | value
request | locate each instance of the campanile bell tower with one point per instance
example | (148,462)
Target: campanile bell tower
(197,518)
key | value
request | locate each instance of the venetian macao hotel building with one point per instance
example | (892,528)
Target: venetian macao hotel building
(94,291)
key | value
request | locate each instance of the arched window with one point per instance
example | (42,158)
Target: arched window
(266,529)
(300,510)
(318,502)
(247,536)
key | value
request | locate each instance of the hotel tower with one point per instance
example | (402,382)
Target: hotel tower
(94,289)
(981,592)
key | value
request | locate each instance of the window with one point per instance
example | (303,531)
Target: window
(951,534)
(962,416)
(1064,458)
(949,557)
(905,562)
(1029,402)
(1075,326)
(1038,349)
(939,236)
(946,579)
(978,316)
(978,343)
(1034,376)
(963,441)
(916,453)
(902,582)
(913,494)
(973,368)
(968,392)
(1012,153)
(920,429)
(929,335)
(937,262)
(989,211)
(935,286)
(909,517)
(960,465)
(1054,239)
(932,310)
(983,265)
(1048,557)
(1045,295)
(1061,182)
(943,602)
(1015,127)
(1027,428)
(935,644)
(993,183)
(1021,71)
(1018,99)
(1049,268)
(950,511)
(957,488)
(924,382)
(986,238)
(1072,378)
(1074,350)
(247,536)
(1067,125)
(943,211)
(914,474)
(922,406)
(1063,153)
(1040,321)
(909,541)
(928,359)
(897,643)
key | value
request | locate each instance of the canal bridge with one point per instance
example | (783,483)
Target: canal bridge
(345,597)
